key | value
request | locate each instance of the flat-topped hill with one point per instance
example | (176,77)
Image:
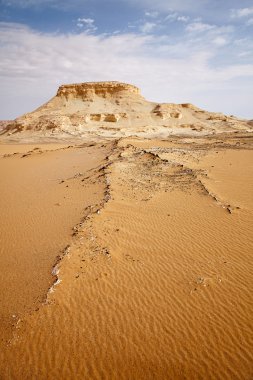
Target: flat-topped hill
(115,109)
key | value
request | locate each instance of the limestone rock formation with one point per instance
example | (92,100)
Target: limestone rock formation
(115,109)
(87,91)
(166,111)
(4,123)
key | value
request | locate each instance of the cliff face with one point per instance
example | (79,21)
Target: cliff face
(88,90)
(114,110)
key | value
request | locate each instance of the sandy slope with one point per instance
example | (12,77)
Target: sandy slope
(42,198)
(157,283)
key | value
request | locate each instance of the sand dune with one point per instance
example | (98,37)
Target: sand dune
(156,279)
(157,283)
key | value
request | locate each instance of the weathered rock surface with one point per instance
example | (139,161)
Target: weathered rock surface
(4,123)
(87,91)
(114,109)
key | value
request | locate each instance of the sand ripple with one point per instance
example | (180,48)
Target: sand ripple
(157,286)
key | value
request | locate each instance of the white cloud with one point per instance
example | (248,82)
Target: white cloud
(199,27)
(34,64)
(171,17)
(249,22)
(241,12)
(220,41)
(152,14)
(192,6)
(241,41)
(148,27)
(87,23)
(183,18)
(176,17)
(245,54)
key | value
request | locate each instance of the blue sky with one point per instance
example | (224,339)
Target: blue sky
(198,51)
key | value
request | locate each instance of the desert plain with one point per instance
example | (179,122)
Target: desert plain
(126,240)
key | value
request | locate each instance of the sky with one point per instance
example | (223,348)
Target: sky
(197,51)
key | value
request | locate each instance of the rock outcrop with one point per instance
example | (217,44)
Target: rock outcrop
(115,109)
(166,111)
(4,123)
(88,91)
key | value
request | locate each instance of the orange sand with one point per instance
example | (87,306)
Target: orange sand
(157,284)
(42,199)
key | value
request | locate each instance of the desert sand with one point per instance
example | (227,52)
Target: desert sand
(126,240)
